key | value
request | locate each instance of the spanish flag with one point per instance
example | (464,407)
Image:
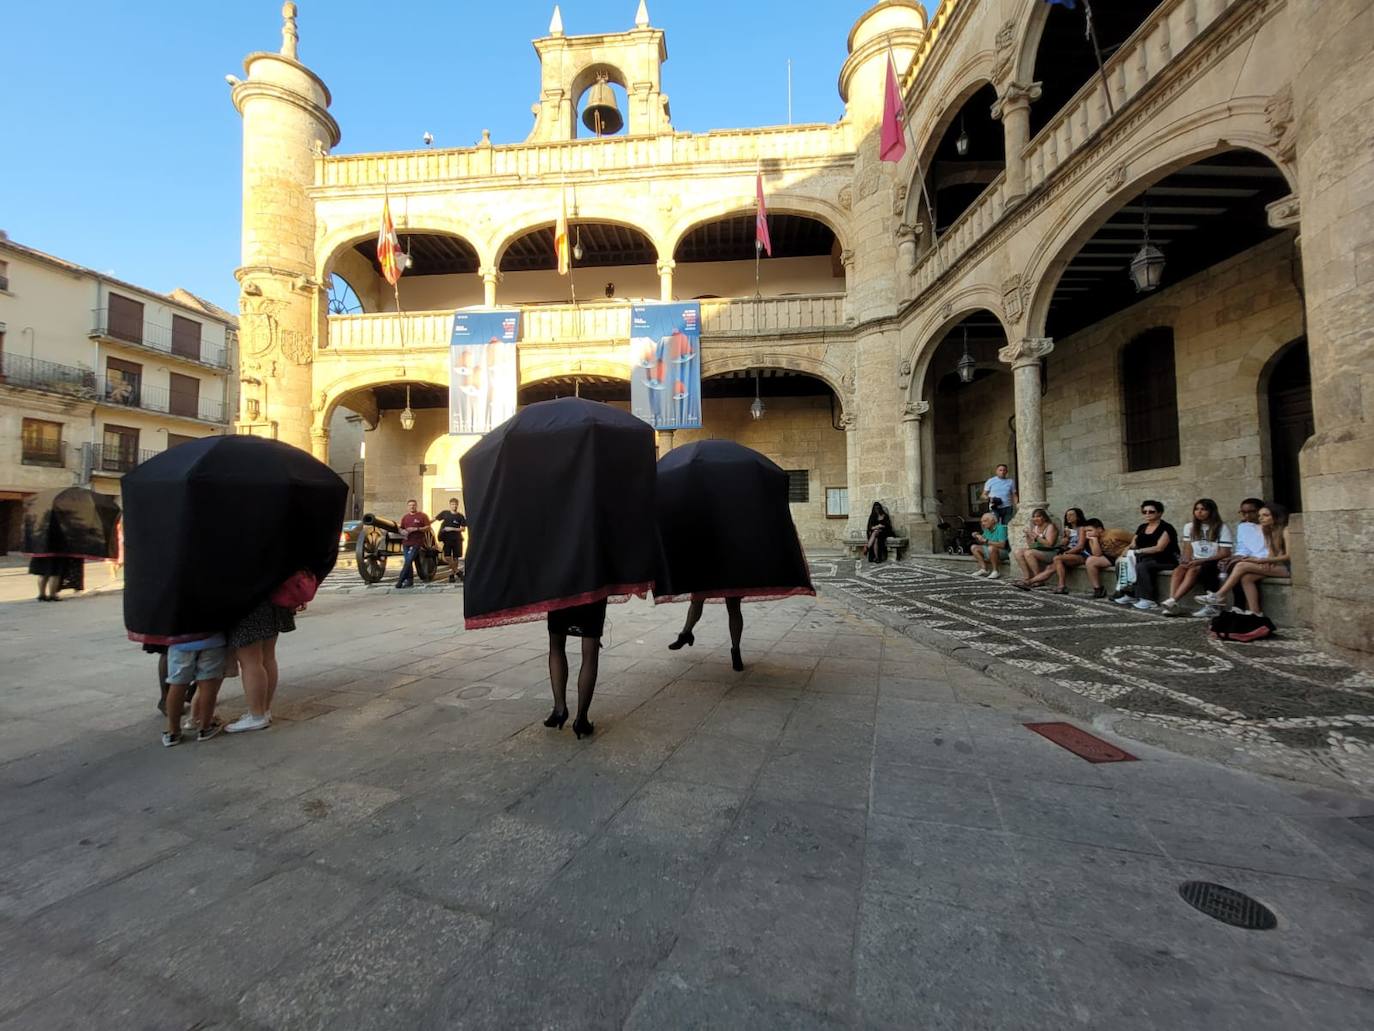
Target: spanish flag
(388,247)
(560,239)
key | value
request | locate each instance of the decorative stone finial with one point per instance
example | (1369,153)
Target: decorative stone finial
(289,37)
(642,16)
(556,22)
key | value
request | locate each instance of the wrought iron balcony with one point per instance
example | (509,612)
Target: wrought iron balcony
(153,337)
(133,393)
(101,459)
(17,370)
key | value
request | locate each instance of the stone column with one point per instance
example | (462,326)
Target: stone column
(665,279)
(319,443)
(491,276)
(1013,109)
(1323,125)
(918,525)
(849,422)
(1024,359)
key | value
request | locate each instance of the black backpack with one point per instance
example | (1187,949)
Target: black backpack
(1242,626)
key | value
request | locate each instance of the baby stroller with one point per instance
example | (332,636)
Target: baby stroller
(957,537)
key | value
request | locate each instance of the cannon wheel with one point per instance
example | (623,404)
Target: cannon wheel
(427,564)
(371,555)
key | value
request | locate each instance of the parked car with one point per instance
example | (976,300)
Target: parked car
(348,537)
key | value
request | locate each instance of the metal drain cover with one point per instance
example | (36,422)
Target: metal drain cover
(1228,905)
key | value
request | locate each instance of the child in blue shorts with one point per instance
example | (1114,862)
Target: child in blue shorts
(202,663)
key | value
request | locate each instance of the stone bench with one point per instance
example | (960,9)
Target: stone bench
(895,546)
(1277,593)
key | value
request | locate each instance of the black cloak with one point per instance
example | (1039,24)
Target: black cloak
(560,506)
(70,523)
(726,527)
(214,526)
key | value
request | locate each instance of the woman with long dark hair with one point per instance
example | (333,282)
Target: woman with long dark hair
(1273,520)
(1206,541)
(879,530)
(1073,547)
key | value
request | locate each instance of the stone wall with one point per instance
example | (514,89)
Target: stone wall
(971,437)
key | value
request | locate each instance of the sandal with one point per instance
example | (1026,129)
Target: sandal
(1060,590)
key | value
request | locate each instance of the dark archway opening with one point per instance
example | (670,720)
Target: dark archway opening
(431,254)
(593,245)
(1289,400)
(717,258)
(970,155)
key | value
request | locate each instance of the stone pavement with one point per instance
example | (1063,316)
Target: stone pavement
(855,832)
(1282,706)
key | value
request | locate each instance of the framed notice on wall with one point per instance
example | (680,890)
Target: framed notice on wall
(482,370)
(837,502)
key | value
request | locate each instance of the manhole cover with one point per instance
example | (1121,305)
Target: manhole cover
(1228,905)
(1081,743)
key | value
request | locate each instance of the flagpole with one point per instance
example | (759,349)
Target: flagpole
(396,286)
(1097,50)
(916,158)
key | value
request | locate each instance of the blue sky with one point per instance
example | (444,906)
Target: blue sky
(122,149)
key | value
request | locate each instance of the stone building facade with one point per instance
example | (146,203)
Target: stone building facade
(920,320)
(97,374)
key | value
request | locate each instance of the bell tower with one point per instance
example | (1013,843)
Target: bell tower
(286,125)
(572,65)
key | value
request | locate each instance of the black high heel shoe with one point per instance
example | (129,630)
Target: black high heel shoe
(557,719)
(683,638)
(583,728)
(736,661)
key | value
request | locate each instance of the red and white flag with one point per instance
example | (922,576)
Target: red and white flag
(762,241)
(389,248)
(892,142)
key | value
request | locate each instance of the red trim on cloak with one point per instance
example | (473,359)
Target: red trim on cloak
(175,639)
(614,593)
(67,554)
(742,593)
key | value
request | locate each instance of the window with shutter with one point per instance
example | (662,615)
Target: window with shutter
(798,485)
(41,442)
(184,396)
(120,451)
(186,337)
(126,319)
(1150,401)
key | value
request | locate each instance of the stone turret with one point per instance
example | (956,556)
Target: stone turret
(286,124)
(898,25)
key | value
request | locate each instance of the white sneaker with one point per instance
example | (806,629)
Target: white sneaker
(1208,612)
(994,575)
(1210,599)
(248,722)
(1145,604)
(1170,603)
(981,572)
(1125,599)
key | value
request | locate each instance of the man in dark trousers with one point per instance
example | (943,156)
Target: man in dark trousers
(413,526)
(451,526)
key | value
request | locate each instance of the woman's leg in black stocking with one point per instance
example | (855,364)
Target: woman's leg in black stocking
(586,676)
(735,615)
(693,614)
(558,671)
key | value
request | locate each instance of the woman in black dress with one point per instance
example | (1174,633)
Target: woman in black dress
(879,530)
(589,623)
(56,573)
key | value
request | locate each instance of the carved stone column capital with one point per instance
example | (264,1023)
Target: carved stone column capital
(1016,96)
(1027,351)
(849,420)
(491,274)
(912,411)
(666,265)
(1284,212)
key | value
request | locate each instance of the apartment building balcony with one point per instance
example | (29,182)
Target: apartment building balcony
(100,460)
(157,339)
(126,392)
(17,370)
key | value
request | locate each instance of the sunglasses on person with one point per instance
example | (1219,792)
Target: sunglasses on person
(1149,511)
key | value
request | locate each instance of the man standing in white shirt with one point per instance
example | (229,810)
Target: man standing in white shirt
(1000,494)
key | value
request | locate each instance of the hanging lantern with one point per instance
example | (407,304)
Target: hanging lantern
(756,409)
(1147,267)
(577,246)
(966,366)
(961,144)
(407,416)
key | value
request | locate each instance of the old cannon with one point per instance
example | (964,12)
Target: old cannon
(380,538)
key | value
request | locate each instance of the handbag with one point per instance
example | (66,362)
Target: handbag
(1125,569)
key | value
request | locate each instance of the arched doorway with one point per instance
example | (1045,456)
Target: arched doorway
(1287,393)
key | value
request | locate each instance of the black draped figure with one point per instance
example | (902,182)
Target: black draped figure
(879,530)
(727,533)
(560,505)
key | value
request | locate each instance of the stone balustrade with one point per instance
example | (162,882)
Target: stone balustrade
(597,321)
(524,161)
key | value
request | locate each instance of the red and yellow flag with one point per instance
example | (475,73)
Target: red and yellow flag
(389,248)
(560,239)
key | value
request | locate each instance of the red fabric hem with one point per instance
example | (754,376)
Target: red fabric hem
(743,593)
(614,593)
(67,554)
(160,639)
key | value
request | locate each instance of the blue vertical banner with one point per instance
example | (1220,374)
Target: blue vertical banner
(665,365)
(482,370)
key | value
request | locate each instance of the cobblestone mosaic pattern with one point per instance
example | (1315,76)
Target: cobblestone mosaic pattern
(1283,698)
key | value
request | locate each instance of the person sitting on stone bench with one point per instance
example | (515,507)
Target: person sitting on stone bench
(1247,574)
(1073,548)
(1104,548)
(1207,541)
(989,545)
(1042,544)
(879,530)
(1155,546)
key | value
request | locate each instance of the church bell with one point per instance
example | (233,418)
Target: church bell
(601,114)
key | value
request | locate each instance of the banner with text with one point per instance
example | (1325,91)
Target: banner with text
(665,365)
(482,370)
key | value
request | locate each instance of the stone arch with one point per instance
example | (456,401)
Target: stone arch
(716,364)
(537,219)
(536,368)
(1030,20)
(782,203)
(1239,125)
(330,395)
(338,240)
(973,75)
(931,331)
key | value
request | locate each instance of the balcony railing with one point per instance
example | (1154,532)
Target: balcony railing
(1174,25)
(19,370)
(599,155)
(131,393)
(157,338)
(590,323)
(102,459)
